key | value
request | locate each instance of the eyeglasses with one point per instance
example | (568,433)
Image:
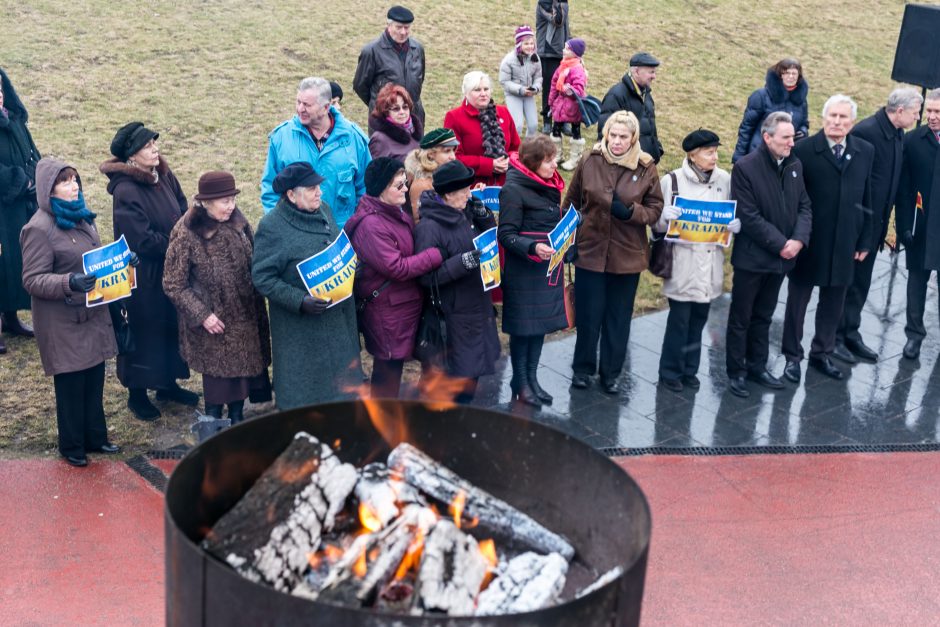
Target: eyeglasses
(400,185)
(400,108)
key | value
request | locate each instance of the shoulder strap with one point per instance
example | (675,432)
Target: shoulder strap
(675,186)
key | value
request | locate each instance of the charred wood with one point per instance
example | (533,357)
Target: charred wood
(452,571)
(382,491)
(601,581)
(529,582)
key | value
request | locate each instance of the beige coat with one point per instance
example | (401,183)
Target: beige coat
(697,269)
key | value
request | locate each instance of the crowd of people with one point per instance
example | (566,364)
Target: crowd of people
(215,295)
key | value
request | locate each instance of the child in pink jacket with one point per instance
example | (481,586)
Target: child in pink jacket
(569,79)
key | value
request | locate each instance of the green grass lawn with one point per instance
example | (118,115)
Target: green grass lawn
(213,77)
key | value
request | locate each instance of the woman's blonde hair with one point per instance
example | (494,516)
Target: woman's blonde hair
(627,118)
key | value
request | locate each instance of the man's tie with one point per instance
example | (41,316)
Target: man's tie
(837,151)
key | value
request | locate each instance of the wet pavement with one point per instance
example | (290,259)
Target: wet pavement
(895,401)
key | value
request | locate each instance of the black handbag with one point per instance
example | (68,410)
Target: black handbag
(660,248)
(431,340)
(122,328)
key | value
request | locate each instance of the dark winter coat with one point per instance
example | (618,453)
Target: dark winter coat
(626,96)
(773,96)
(381,63)
(145,213)
(888,142)
(533,304)
(71,337)
(18,159)
(472,340)
(383,237)
(840,193)
(390,140)
(773,207)
(606,243)
(208,271)
(551,28)
(465,122)
(316,357)
(920,173)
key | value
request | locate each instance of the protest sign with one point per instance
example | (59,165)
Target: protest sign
(330,273)
(562,237)
(485,242)
(490,197)
(111,265)
(702,221)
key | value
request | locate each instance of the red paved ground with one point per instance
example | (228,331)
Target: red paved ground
(801,539)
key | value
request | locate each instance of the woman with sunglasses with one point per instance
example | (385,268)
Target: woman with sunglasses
(393,130)
(388,296)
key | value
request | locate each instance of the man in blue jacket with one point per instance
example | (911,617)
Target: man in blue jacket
(319,135)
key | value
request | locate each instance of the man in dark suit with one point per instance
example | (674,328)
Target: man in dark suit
(917,217)
(885,131)
(837,169)
(776,219)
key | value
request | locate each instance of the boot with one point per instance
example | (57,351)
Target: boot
(519,384)
(236,412)
(558,148)
(215,411)
(178,395)
(532,368)
(577,147)
(13,326)
(141,406)
(3,347)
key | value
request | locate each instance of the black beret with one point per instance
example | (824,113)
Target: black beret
(643,59)
(300,174)
(335,90)
(380,172)
(702,138)
(130,138)
(401,15)
(451,177)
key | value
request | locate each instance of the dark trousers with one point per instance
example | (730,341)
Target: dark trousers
(79,411)
(575,129)
(753,300)
(549,65)
(682,342)
(855,299)
(603,310)
(386,377)
(828,316)
(917,279)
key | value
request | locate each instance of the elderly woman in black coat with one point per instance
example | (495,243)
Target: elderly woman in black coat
(449,222)
(784,89)
(533,303)
(147,201)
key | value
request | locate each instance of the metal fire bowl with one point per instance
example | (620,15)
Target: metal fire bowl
(559,481)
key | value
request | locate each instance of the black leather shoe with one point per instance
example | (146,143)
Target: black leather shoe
(766,379)
(691,381)
(825,366)
(540,393)
(842,353)
(527,396)
(738,387)
(178,395)
(792,371)
(673,385)
(610,387)
(912,349)
(13,326)
(3,347)
(141,406)
(108,448)
(580,381)
(861,350)
(79,462)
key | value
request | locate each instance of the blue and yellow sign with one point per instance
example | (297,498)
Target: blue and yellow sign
(702,221)
(330,273)
(111,264)
(489,196)
(485,242)
(562,237)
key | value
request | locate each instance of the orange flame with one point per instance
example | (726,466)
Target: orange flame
(412,557)
(360,568)
(438,389)
(488,550)
(456,507)
(369,518)
(330,553)
(337,444)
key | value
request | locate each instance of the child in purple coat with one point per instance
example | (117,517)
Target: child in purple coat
(569,80)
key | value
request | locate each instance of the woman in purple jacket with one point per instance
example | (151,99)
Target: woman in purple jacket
(388,296)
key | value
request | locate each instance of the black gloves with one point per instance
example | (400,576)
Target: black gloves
(620,210)
(313,306)
(82,283)
(477,208)
(907,238)
(470,259)
(134,261)
(571,255)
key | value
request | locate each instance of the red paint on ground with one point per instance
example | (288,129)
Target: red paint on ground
(848,539)
(166,465)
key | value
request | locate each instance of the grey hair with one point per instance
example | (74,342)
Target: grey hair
(904,98)
(319,85)
(840,99)
(934,94)
(472,79)
(775,119)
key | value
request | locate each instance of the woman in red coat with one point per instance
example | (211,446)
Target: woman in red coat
(485,130)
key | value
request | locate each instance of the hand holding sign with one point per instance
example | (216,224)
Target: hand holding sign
(544,251)
(82,283)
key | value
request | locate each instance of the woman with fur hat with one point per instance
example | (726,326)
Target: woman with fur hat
(148,202)
(520,74)
(784,89)
(437,148)
(568,82)
(74,340)
(388,296)
(616,189)
(395,130)
(223,323)
(697,269)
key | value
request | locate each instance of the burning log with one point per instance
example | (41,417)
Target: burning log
(452,571)
(299,495)
(603,580)
(381,491)
(529,582)
(445,485)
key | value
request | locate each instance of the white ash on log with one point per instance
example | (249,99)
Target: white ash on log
(444,485)
(270,533)
(452,571)
(602,581)
(529,582)
(381,491)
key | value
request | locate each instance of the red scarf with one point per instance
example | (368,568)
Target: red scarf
(563,69)
(556,181)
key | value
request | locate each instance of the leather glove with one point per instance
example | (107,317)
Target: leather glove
(734,226)
(470,259)
(620,210)
(671,213)
(571,255)
(477,208)
(82,283)
(907,238)
(134,261)
(313,306)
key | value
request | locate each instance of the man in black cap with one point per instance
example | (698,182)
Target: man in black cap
(633,93)
(395,57)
